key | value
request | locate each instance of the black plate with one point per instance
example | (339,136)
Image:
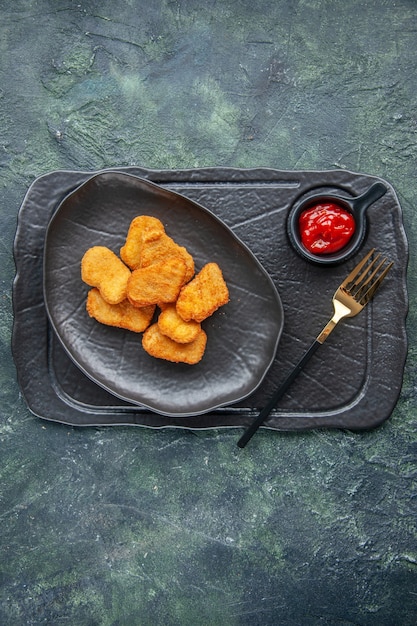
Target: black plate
(352,382)
(242,336)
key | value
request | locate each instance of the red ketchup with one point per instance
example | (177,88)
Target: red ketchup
(326,228)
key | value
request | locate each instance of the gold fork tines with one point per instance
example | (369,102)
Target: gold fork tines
(363,287)
(357,289)
(350,298)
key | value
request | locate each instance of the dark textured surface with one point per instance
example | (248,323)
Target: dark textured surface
(137,526)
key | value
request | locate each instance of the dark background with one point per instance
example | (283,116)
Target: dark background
(125,526)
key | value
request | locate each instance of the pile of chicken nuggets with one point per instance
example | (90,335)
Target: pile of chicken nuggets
(154,277)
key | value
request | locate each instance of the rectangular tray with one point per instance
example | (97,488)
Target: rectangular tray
(352,382)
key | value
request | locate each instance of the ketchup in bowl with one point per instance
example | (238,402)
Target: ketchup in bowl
(325,228)
(328,228)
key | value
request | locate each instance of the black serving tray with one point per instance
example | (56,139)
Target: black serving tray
(352,382)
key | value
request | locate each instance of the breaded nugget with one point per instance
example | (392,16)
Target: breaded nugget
(122,315)
(163,248)
(203,295)
(162,347)
(147,243)
(160,282)
(174,327)
(142,230)
(101,268)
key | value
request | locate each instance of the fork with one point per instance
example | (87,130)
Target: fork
(350,298)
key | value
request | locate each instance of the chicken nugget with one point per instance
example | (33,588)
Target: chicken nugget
(101,268)
(122,315)
(203,295)
(160,282)
(143,229)
(174,327)
(162,248)
(162,347)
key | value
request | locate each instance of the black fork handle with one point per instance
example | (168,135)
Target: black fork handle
(251,430)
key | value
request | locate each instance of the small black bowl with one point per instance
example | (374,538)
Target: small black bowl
(356,206)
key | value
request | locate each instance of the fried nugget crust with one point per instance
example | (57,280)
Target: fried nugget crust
(174,327)
(163,248)
(159,282)
(122,315)
(162,347)
(143,229)
(147,243)
(203,295)
(101,268)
